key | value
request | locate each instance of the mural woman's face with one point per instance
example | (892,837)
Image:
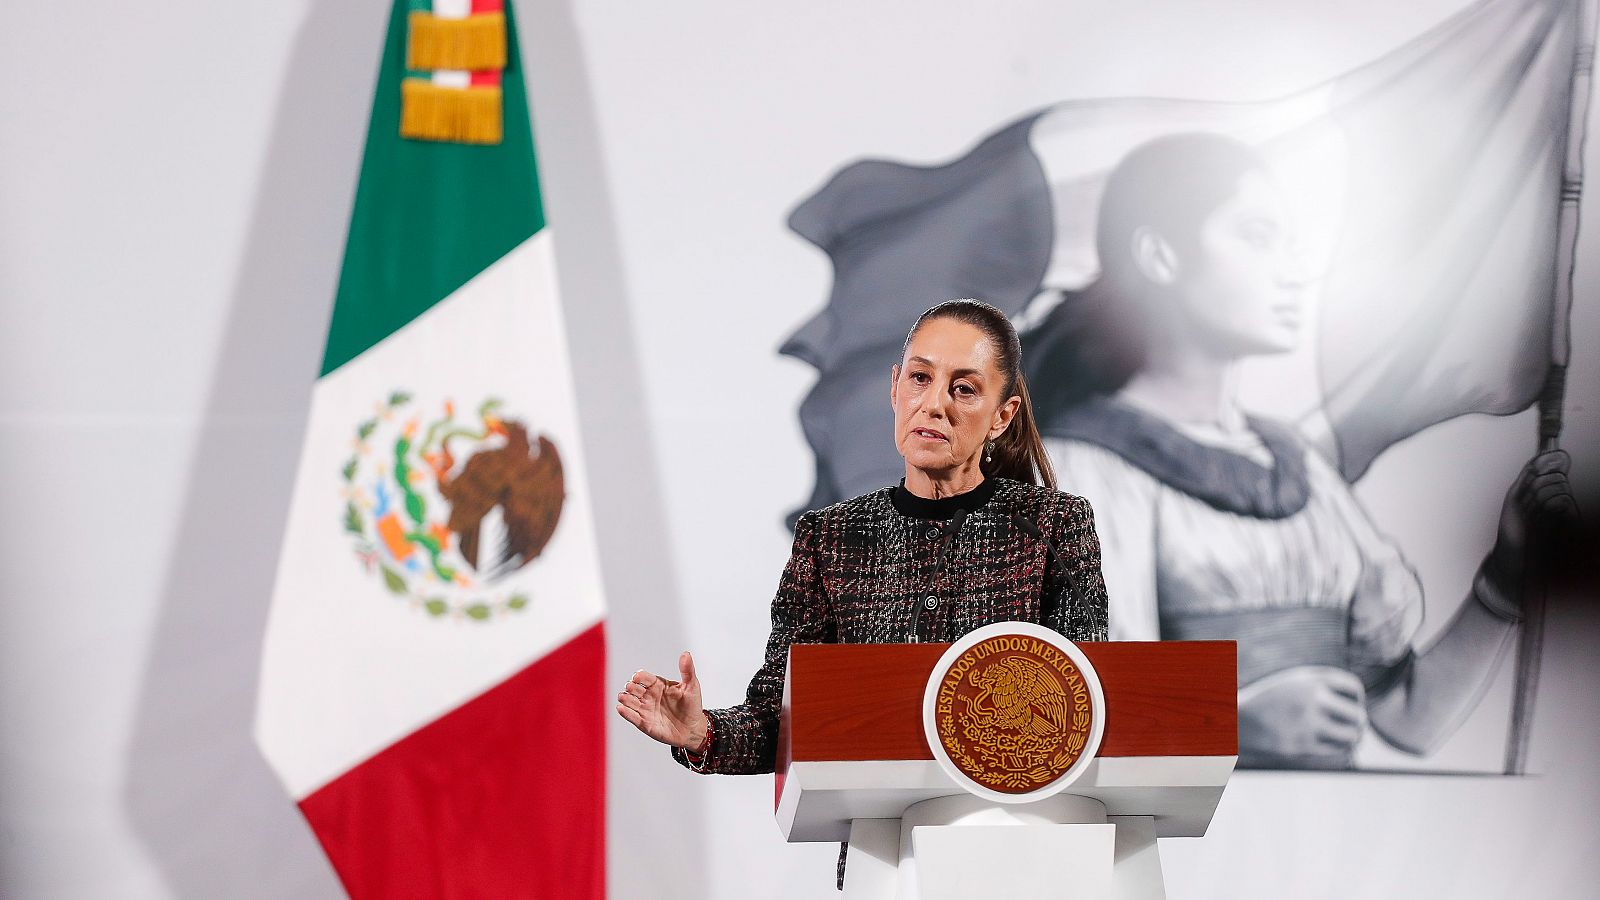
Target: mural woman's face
(947,397)
(1245,293)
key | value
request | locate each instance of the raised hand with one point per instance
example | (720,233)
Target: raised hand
(1303,717)
(1541,496)
(669,711)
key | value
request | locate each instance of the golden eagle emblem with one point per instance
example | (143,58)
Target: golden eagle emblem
(1013,713)
(1019,694)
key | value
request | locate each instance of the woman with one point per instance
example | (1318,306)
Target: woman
(968,538)
(1226,526)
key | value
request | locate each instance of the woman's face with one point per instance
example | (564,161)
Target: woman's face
(947,396)
(1244,294)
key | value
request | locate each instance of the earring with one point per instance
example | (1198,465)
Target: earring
(988,451)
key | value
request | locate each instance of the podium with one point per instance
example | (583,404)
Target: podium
(855,763)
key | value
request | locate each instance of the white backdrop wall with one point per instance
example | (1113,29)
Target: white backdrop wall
(172,212)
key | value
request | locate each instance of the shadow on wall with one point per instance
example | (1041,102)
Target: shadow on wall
(200,796)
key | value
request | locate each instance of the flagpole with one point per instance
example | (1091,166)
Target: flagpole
(1536,584)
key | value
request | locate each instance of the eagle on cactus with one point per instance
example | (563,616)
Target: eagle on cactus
(446,507)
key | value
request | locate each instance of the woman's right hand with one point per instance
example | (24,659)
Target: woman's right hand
(1305,717)
(669,711)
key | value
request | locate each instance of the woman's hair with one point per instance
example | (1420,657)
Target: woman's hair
(1096,339)
(1019,451)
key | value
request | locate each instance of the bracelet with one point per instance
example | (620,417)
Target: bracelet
(697,758)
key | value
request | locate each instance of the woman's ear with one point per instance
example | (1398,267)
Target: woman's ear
(1003,417)
(894,385)
(1154,256)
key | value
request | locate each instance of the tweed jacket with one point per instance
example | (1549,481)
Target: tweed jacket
(890,567)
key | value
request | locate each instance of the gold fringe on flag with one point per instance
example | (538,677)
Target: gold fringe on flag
(475,42)
(429,112)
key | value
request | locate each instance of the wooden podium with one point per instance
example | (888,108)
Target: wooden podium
(854,764)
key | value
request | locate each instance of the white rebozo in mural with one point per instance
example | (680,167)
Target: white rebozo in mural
(1405,229)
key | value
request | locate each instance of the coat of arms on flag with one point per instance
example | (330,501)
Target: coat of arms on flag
(445,508)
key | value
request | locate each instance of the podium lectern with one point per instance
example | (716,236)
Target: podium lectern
(855,763)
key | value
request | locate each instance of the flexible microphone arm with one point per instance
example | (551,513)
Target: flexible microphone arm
(1055,562)
(950,528)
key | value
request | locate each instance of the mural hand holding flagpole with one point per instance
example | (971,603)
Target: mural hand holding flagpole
(1540,497)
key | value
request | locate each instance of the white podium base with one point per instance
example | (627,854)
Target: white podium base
(963,846)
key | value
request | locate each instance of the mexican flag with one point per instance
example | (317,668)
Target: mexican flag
(431,687)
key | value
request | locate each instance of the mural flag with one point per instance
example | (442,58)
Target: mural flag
(431,688)
(1442,295)
(1426,186)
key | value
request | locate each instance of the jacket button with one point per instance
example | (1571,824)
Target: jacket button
(931,533)
(931,603)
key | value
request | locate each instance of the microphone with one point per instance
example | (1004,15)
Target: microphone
(1026,524)
(953,526)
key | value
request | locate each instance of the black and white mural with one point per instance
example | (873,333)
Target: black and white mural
(1231,311)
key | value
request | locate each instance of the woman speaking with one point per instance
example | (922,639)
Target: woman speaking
(967,539)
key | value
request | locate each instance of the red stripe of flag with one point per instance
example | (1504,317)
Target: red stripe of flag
(502,797)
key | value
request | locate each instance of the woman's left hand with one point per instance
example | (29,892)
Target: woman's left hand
(1540,496)
(666,710)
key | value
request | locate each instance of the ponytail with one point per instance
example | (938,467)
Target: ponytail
(1019,452)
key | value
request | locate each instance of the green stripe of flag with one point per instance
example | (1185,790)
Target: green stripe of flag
(429,216)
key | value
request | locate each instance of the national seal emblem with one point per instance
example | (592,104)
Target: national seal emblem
(1013,710)
(444,508)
